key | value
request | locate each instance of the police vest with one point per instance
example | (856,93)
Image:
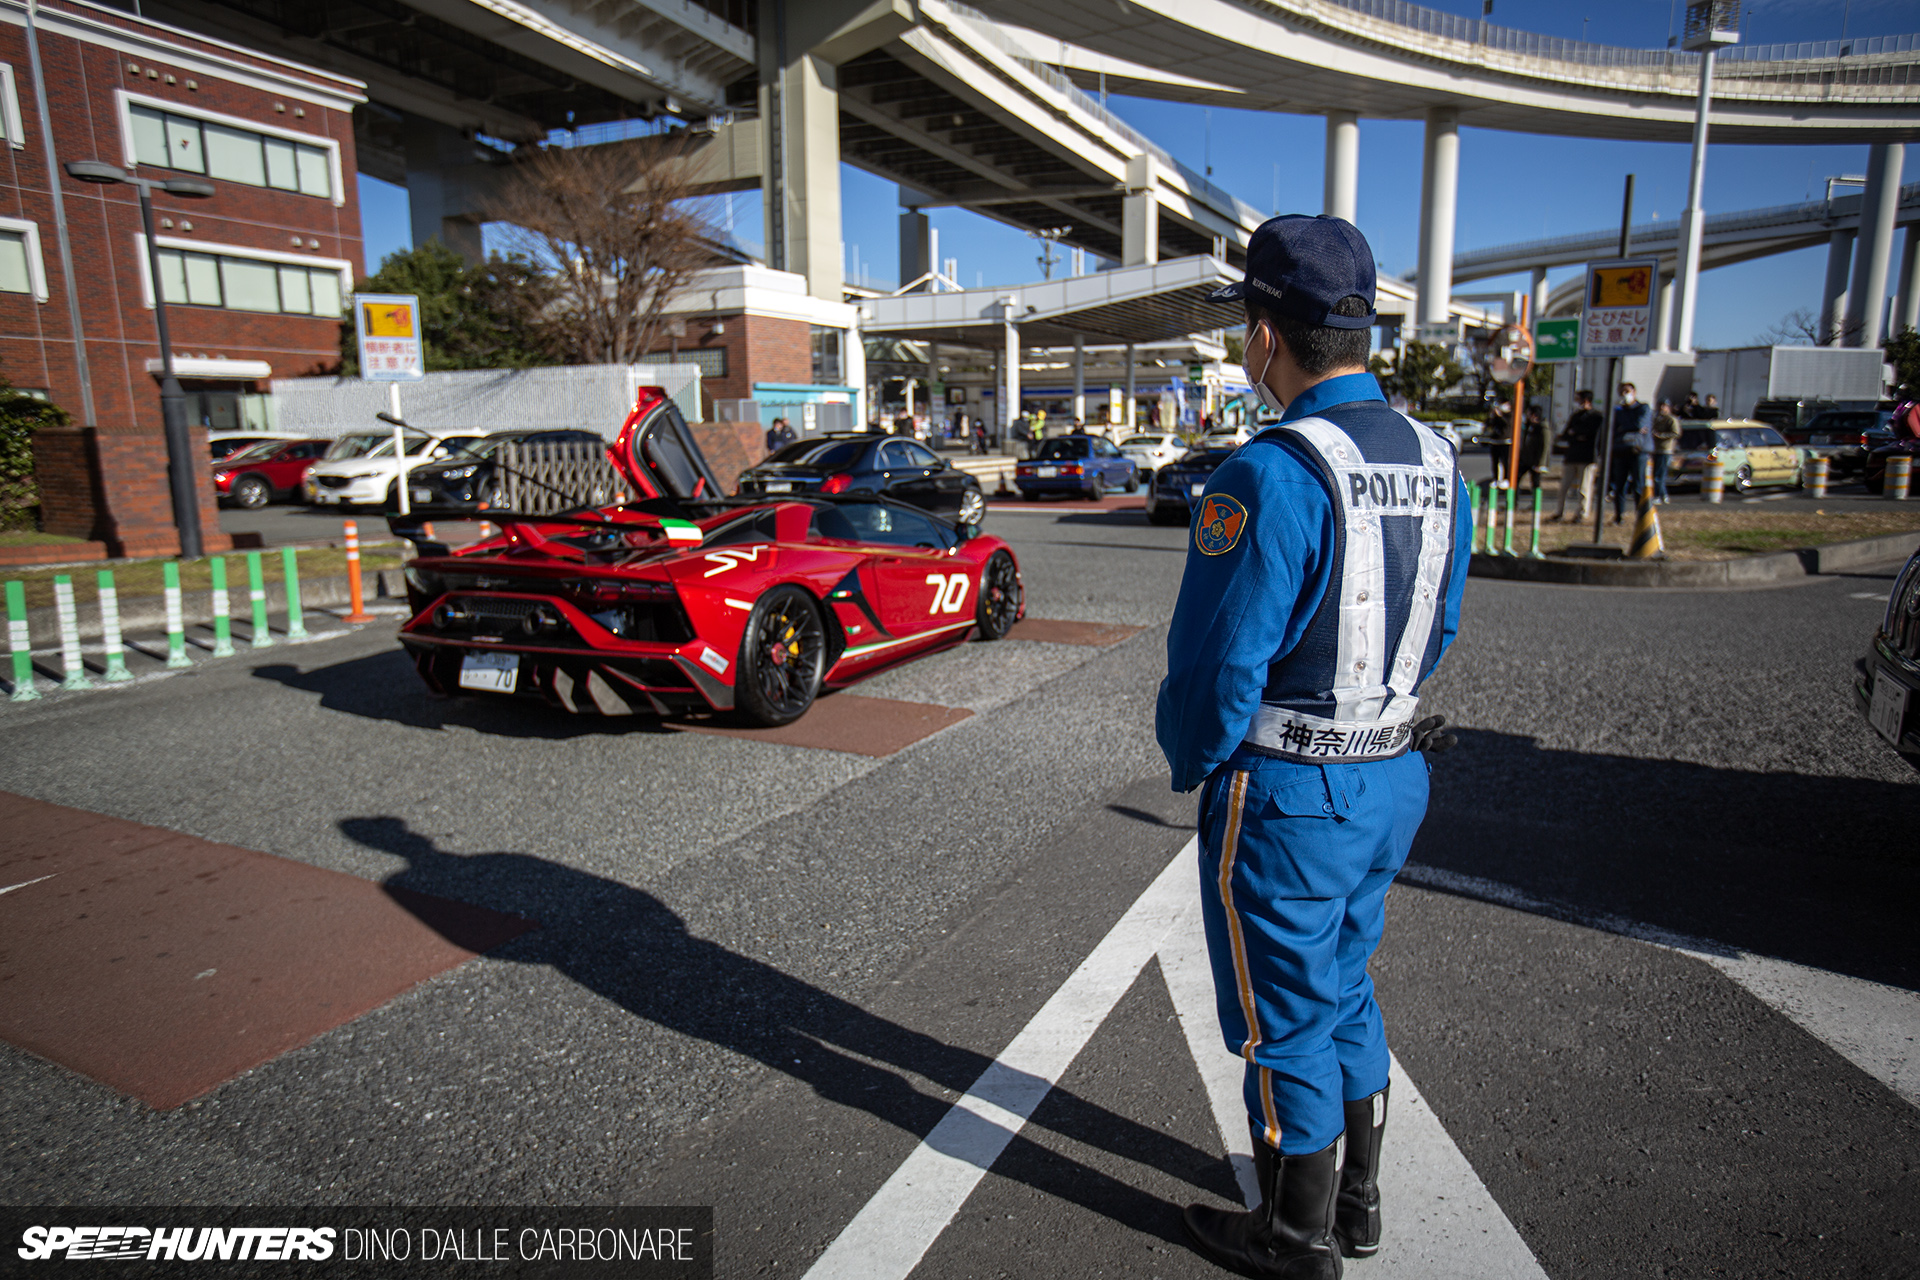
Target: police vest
(1346,692)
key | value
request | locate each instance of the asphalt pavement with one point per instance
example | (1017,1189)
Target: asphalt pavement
(1652,968)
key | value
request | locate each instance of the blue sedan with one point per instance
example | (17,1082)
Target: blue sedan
(1084,465)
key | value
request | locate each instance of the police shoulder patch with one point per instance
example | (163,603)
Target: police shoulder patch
(1222,519)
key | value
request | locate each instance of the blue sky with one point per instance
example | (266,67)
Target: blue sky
(1512,186)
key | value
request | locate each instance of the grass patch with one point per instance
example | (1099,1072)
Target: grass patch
(28,538)
(144,577)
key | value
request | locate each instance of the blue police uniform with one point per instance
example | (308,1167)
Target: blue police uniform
(1324,582)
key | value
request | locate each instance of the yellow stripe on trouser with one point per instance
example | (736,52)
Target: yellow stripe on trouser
(1229,848)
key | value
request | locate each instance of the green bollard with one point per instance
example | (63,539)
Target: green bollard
(63,612)
(1473,511)
(176,628)
(222,624)
(1492,503)
(111,640)
(296,625)
(21,643)
(257,596)
(1506,548)
(1533,552)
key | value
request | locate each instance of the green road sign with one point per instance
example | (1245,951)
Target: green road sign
(1556,340)
(1196,373)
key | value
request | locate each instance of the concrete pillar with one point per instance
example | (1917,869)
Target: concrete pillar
(1140,214)
(916,246)
(1127,418)
(444,186)
(1079,378)
(1439,188)
(1663,314)
(1340,196)
(1010,386)
(1906,309)
(801,190)
(1540,292)
(1693,219)
(936,401)
(1833,293)
(1866,296)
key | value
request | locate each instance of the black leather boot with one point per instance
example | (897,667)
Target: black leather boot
(1290,1236)
(1356,1219)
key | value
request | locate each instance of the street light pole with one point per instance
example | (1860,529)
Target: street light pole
(183,464)
(1711,25)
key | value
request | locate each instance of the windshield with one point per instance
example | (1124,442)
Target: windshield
(257,452)
(416,445)
(1144,442)
(1208,459)
(357,445)
(1063,450)
(826,454)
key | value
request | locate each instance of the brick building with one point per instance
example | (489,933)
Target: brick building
(254,277)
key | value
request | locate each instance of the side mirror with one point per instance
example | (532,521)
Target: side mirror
(967,532)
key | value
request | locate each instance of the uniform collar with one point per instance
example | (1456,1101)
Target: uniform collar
(1345,389)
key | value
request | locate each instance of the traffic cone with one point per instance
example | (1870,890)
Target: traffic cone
(1646,525)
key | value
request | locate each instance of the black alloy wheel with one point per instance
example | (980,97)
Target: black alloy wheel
(1000,596)
(252,492)
(782,658)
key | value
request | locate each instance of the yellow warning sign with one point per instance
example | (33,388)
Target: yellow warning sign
(1622,286)
(386,319)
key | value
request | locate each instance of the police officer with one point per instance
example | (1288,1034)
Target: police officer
(1328,558)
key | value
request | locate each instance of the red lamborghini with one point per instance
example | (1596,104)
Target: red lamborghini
(685,601)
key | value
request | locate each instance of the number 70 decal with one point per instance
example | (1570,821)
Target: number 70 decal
(949,592)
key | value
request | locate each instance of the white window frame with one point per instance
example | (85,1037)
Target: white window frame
(10,108)
(125,101)
(340,265)
(36,266)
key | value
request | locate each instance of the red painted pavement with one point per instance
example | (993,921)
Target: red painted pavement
(161,964)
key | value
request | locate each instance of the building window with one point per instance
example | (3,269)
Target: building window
(241,280)
(712,360)
(228,149)
(21,267)
(827,369)
(10,126)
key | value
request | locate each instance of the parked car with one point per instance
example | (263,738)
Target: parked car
(361,468)
(1752,454)
(1084,465)
(222,444)
(1450,432)
(1890,673)
(254,476)
(1842,436)
(459,483)
(1151,452)
(863,462)
(1175,487)
(1899,435)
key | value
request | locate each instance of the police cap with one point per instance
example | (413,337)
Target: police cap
(1302,266)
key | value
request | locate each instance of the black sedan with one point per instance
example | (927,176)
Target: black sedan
(1175,487)
(865,463)
(1890,676)
(459,483)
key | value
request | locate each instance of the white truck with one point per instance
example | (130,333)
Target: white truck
(1785,385)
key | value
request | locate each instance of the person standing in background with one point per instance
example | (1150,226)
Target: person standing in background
(1666,435)
(1576,463)
(1533,449)
(1625,441)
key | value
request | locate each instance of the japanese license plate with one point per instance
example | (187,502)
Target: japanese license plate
(1196,489)
(1822,439)
(1888,710)
(493,672)
(779,486)
(422,495)
(1046,473)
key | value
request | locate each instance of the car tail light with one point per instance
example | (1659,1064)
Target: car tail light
(1070,471)
(837,484)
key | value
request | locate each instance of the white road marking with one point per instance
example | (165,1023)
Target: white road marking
(1881,596)
(887,1238)
(24,883)
(1875,1027)
(1444,1222)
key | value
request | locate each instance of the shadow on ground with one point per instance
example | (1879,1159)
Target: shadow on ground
(1821,871)
(632,950)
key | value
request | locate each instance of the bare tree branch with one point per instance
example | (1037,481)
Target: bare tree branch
(615,226)
(1799,327)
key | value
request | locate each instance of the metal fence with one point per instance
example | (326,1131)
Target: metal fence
(541,479)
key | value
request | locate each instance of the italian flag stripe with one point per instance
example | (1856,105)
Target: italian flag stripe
(680,530)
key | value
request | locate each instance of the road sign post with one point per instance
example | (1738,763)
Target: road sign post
(1616,319)
(391,351)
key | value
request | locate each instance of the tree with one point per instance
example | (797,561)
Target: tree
(1419,372)
(20,416)
(1798,328)
(1903,353)
(488,316)
(614,227)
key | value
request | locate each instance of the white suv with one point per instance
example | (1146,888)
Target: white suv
(360,468)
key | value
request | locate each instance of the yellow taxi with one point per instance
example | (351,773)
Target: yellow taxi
(1752,454)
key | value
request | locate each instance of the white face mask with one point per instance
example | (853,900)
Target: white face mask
(1268,400)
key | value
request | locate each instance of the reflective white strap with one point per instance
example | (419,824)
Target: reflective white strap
(1436,538)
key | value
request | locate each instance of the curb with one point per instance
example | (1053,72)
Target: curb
(1747,571)
(149,613)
